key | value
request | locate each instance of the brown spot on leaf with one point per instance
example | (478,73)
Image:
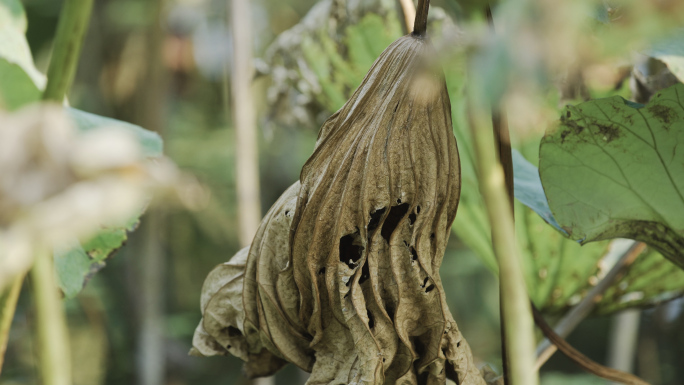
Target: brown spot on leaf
(571,127)
(608,132)
(664,114)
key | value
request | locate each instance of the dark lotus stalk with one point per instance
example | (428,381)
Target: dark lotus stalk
(342,278)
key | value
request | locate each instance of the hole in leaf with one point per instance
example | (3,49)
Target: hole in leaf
(432,236)
(418,209)
(395,215)
(458,344)
(350,249)
(287,212)
(321,271)
(390,311)
(399,201)
(375,220)
(365,273)
(425,281)
(419,346)
(412,218)
(347,295)
(414,255)
(232,331)
(371,321)
(228,346)
(429,288)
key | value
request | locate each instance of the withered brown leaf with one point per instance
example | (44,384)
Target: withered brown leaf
(342,278)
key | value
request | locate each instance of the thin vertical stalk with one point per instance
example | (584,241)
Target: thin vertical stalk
(420,25)
(73,22)
(151,349)
(8,304)
(409,11)
(151,360)
(516,310)
(244,121)
(623,340)
(502,136)
(53,338)
(502,143)
(244,115)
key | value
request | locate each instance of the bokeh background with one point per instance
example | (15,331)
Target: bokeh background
(162,64)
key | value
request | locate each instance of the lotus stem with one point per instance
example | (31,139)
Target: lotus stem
(420,25)
(516,310)
(8,304)
(73,22)
(53,338)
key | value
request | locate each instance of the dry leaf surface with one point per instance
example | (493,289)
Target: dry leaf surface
(342,278)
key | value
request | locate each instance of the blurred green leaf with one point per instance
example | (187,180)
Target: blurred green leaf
(76,263)
(612,169)
(19,79)
(150,141)
(651,280)
(13,45)
(12,15)
(528,188)
(16,87)
(108,241)
(72,266)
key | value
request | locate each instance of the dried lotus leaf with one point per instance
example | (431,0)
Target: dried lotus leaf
(373,217)
(221,305)
(231,294)
(342,278)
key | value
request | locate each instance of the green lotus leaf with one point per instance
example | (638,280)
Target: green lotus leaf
(615,169)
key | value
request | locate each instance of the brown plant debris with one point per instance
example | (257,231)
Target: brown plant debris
(342,278)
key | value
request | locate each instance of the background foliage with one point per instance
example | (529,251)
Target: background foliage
(306,73)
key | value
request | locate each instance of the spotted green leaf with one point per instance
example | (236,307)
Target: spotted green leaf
(612,168)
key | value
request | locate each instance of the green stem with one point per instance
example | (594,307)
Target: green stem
(53,338)
(502,144)
(73,22)
(516,311)
(8,304)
